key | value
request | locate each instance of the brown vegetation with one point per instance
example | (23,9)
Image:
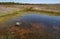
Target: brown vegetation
(37,31)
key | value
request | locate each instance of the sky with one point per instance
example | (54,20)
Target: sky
(34,1)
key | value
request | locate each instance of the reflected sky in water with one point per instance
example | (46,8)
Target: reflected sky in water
(36,18)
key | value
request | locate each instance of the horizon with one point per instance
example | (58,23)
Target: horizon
(33,1)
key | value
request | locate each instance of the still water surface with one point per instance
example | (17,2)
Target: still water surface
(36,18)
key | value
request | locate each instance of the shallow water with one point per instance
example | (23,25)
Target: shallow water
(37,18)
(49,25)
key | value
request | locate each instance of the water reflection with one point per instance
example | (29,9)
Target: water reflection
(38,18)
(35,25)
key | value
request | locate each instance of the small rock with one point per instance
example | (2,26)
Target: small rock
(18,23)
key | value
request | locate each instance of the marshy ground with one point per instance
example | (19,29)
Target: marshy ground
(8,29)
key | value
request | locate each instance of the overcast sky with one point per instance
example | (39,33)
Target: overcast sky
(33,1)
